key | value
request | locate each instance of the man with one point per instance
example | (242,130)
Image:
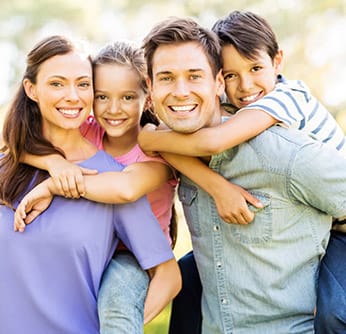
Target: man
(260,277)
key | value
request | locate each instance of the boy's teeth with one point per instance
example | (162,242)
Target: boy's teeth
(249,98)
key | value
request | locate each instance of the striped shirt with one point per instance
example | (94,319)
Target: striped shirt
(292,104)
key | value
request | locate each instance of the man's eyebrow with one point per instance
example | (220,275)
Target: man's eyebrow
(163,73)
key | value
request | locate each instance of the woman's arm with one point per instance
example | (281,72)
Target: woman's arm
(241,127)
(230,199)
(164,285)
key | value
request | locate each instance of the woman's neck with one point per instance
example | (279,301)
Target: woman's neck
(73,144)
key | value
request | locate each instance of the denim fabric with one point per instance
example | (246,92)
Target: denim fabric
(186,316)
(261,278)
(331,293)
(122,295)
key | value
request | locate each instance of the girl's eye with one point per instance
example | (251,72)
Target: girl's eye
(101,97)
(128,97)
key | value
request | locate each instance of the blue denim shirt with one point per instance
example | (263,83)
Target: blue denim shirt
(261,278)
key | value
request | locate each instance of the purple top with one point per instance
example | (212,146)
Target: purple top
(50,274)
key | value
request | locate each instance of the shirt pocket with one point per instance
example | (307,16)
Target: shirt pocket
(189,200)
(261,228)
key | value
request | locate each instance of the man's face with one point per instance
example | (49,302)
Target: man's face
(184,91)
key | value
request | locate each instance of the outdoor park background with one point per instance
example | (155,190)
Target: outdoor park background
(311,33)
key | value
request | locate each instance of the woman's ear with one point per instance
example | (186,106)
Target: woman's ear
(30,89)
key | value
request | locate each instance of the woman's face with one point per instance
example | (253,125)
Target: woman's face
(119,99)
(63,91)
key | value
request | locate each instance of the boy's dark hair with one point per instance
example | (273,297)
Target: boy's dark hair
(179,30)
(248,32)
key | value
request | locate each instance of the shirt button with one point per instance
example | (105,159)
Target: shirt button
(224,301)
(218,264)
(216,228)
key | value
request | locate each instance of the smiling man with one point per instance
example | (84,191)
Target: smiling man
(261,277)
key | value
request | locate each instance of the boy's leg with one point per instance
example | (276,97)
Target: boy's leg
(121,297)
(186,315)
(331,294)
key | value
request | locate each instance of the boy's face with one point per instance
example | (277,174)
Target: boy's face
(184,91)
(248,80)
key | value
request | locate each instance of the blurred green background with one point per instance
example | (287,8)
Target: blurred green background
(311,33)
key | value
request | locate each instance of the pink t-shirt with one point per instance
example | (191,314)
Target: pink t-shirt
(161,199)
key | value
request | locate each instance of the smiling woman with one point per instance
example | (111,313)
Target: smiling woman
(62,255)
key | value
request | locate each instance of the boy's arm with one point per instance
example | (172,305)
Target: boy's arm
(230,199)
(164,285)
(239,128)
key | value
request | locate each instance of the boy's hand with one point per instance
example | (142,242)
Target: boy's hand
(68,177)
(149,127)
(231,203)
(32,205)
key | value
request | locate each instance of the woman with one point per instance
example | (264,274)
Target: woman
(50,274)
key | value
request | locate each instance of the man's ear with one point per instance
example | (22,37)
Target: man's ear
(30,89)
(220,82)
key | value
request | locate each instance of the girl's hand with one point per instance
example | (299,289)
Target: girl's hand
(68,177)
(33,204)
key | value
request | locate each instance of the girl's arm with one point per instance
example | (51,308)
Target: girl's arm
(72,181)
(164,285)
(126,186)
(230,199)
(133,182)
(241,127)
(67,176)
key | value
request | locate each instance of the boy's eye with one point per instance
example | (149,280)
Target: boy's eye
(256,68)
(229,76)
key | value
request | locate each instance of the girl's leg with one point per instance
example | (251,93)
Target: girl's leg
(122,295)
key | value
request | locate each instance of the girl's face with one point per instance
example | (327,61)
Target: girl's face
(63,91)
(119,99)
